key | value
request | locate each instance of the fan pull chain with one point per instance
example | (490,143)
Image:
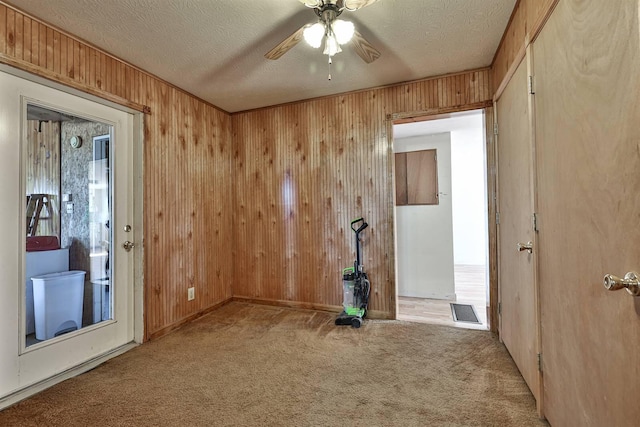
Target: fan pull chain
(330,62)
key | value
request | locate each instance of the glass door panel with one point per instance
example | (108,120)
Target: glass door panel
(68,235)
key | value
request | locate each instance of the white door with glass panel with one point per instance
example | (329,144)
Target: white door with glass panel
(72,198)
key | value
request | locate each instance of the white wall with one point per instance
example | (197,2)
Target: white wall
(469,197)
(424,243)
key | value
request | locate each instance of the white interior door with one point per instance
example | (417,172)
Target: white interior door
(22,363)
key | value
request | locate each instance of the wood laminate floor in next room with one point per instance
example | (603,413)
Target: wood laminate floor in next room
(470,285)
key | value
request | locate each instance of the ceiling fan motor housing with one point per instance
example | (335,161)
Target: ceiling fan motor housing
(328,12)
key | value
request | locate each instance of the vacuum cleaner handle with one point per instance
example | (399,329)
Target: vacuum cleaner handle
(362,227)
(358,230)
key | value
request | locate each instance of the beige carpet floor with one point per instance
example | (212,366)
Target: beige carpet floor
(252,365)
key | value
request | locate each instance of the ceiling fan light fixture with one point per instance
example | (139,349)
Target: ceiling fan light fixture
(313,34)
(330,30)
(331,45)
(343,30)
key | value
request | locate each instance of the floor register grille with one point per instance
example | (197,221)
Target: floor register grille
(464,313)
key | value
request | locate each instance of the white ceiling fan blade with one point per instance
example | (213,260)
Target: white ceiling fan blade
(364,49)
(356,4)
(285,45)
(311,3)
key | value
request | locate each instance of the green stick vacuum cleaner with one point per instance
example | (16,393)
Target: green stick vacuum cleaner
(355,285)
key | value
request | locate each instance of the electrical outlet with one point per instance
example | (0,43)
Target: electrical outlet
(191,294)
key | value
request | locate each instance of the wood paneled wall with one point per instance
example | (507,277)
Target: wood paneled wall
(305,170)
(188,215)
(42,170)
(187,167)
(527,19)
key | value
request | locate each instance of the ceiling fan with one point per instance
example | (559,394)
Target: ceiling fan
(334,32)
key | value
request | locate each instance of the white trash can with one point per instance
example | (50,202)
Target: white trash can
(57,303)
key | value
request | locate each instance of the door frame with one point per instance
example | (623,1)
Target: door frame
(136,200)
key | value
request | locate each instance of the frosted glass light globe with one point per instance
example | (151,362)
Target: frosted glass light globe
(343,30)
(331,46)
(314,34)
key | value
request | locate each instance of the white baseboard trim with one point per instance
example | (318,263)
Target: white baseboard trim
(28,391)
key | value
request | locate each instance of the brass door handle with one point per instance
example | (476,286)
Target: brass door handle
(525,247)
(630,282)
(128,245)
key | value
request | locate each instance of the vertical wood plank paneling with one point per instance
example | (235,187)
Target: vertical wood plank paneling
(92,68)
(331,165)
(119,88)
(42,171)
(129,78)
(19,39)
(56,52)
(107,74)
(114,75)
(63,54)
(176,220)
(42,45)
(10,32)
(69,70)
(49,49)
(26,39)
(526,21)
(78,62)
(3,23)
(35,45)
(446,90)
(101,79)
(133,89)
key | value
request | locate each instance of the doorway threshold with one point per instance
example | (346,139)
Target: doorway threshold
(437,312)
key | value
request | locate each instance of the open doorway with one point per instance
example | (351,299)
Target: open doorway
(441,224)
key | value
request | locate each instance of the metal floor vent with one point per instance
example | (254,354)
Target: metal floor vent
(464,313)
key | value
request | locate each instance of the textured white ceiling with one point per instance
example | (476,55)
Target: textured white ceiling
(215,49)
